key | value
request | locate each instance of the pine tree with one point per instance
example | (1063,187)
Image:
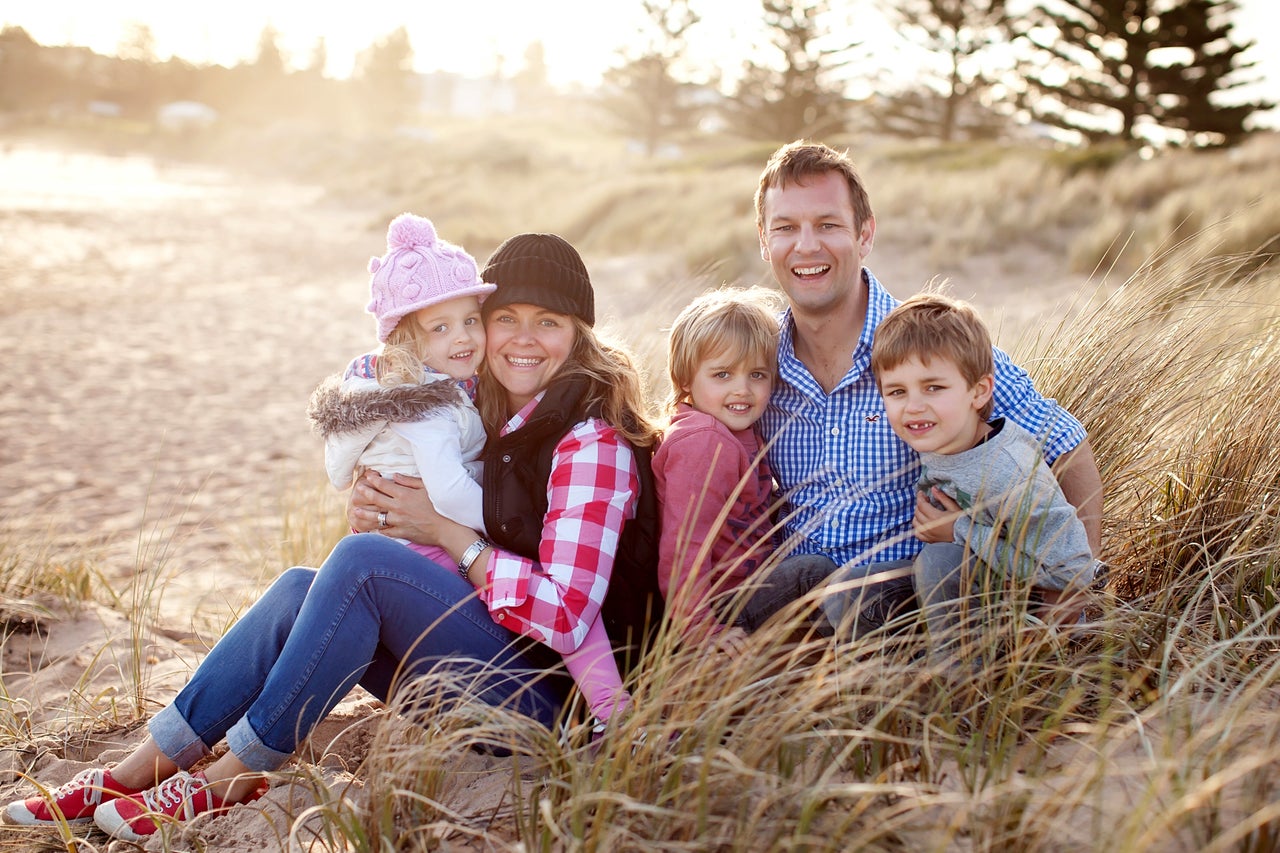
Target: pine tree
(1139,70)
(799,95)
(30,77)
(385,77)
(958,33)
(1190,92)
(644,95)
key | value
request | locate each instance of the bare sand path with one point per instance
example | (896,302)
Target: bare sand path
(163,328)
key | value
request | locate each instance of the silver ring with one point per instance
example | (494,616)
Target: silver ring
(382,519)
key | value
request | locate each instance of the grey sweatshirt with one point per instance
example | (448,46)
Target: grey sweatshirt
(1016,521)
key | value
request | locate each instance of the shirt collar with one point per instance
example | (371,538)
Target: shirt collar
(519,418)
(879,303)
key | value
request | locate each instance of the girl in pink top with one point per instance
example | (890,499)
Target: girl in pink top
(714,485)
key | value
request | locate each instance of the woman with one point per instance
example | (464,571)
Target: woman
(559,402)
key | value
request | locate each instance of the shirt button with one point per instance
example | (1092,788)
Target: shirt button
(506,457)
(835,430)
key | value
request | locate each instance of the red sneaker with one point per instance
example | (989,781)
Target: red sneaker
(73,802)
(178,798)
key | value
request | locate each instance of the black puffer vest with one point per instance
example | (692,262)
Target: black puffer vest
(517,468)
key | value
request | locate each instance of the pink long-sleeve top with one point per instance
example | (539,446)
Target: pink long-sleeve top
(700,469)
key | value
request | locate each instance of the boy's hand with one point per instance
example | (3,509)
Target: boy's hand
(931,523)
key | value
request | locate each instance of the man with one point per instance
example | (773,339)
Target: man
(849,480)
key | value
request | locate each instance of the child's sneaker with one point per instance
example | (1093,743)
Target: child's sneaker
(598,730)
(178,798)
(73,802)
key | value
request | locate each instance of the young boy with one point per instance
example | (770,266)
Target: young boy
(989,509)
(714,487)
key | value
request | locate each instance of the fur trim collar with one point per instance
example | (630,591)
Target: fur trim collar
(337,407)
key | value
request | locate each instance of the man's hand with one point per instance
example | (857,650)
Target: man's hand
(1077,473)
(932,524)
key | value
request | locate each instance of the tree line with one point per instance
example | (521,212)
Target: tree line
(1164,72)
(1161,72)
(38,80)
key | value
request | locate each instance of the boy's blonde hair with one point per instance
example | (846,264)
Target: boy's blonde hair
(740,321)
(616,384)
(929,326)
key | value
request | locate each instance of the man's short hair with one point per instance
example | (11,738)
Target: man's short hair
(801,160)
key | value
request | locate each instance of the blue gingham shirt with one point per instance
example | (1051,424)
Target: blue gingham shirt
(849,481)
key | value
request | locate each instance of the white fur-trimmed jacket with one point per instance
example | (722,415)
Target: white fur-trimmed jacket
(429,430)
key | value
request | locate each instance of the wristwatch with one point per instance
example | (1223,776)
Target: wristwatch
(469,556)
(1098,574)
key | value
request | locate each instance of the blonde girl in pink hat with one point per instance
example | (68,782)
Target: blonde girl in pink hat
(408,407)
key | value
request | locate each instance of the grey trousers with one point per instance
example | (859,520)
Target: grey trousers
(944,580)
(788,581)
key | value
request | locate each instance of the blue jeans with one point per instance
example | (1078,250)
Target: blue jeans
(790,580)
(865,598)
(944,579)
(375,614)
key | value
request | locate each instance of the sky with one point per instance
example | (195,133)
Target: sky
(581,38)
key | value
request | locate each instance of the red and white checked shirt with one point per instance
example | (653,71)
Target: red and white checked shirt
(591,493)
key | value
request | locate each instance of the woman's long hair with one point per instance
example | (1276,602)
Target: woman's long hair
(616,386)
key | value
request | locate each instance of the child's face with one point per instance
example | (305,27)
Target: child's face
(734,393)
(454,339)
(932,408)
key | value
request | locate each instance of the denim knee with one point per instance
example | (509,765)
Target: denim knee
(864,598)
(230,677)
(790,580)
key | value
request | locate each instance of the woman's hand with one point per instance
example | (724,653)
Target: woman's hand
(931,523)
(399,506)
(409,513)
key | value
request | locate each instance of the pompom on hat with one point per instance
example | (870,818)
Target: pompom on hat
(543,270)
(418,270)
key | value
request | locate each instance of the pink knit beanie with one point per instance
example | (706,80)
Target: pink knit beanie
(418,270)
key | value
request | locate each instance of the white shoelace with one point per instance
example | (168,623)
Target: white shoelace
(171,792)
(90,781)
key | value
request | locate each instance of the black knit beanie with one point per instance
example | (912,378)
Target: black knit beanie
(542,270)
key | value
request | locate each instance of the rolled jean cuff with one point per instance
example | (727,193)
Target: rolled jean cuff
(175,737)
(244,744)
